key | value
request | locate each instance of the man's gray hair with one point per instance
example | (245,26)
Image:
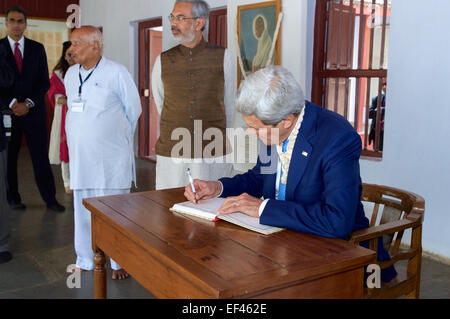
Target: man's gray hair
(97,36)
(200,9)
(271,94)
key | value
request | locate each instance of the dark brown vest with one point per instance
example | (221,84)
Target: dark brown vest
(193,90)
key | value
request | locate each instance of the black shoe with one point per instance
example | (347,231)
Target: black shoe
(56,207)
(5,256)
(16,205)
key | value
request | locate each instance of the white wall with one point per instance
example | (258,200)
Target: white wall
(119,20)
(417,130)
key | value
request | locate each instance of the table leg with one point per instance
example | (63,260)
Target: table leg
(99,275)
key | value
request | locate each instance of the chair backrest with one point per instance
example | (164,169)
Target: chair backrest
(394,204)
(394,212)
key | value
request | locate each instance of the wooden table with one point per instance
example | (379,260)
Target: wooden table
(175,256)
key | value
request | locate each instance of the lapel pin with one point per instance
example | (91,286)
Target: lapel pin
(305,154)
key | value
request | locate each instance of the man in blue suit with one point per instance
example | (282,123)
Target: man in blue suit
(308,174)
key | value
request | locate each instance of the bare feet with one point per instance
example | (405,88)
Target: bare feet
(119,274)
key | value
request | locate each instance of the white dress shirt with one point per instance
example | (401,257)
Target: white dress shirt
(12,44)
(278,179)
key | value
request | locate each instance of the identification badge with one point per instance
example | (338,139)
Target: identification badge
(77,106)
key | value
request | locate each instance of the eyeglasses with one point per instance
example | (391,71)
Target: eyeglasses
(179,18)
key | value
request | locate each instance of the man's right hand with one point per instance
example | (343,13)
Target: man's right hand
(20,109)
(205,190)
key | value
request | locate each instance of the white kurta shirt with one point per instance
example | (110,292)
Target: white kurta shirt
(100,138)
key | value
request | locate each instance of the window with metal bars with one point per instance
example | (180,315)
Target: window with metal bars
(350,64)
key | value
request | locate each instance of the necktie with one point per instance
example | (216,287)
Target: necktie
(18,57)
(282,187)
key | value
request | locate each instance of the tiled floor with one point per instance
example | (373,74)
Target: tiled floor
(42,245)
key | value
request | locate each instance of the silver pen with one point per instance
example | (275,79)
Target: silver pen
(191,181)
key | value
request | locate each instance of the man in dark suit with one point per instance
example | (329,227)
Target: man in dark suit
(26,99)
(6,72)
(6,81)
(308,173)
(373,115)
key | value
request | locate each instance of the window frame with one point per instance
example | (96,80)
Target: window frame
(363,75)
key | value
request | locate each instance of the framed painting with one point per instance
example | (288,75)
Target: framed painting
(256,25)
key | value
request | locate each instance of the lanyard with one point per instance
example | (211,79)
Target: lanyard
(87,78)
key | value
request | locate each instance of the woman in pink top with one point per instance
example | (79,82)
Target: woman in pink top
(58,151)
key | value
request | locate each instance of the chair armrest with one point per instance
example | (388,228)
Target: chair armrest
(384,229)
(416,214)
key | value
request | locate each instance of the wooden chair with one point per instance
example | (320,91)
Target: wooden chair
(401,210)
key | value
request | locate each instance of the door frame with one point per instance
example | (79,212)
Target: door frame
(144,83)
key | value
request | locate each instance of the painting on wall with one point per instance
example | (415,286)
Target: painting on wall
(256,26)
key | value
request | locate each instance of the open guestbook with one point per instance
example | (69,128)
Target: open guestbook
(208,210)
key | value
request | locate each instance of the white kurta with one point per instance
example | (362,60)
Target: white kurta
(100,139)
(100,142)
(83,233)
(170,174)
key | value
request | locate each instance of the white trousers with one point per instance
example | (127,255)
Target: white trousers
(83,242)
(172,174)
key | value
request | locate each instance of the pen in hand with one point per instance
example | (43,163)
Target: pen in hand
(191,181)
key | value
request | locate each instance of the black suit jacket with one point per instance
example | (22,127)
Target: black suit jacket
(33,83)
(6,72)
(6,83)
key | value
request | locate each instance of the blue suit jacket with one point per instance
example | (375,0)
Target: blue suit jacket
(323,188)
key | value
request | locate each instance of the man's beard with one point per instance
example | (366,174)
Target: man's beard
(188,37)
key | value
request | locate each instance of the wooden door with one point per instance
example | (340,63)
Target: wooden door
(218,27)
(155,48)
(150,45)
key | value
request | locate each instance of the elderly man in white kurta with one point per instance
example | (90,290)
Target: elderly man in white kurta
(104,107)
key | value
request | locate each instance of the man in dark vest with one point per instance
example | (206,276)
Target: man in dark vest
(194,99)
(26,99)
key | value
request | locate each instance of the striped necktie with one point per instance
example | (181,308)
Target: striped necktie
(18,57)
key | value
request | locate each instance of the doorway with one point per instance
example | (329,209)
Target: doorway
(150,46)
